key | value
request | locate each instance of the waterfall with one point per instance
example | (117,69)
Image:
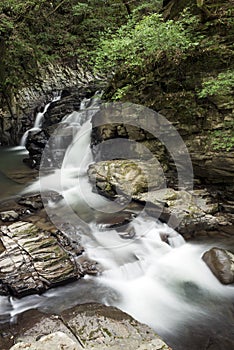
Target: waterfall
(38,120)
(165,285)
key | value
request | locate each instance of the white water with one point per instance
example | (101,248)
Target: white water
(38,120)
(164,286)
(161,286)
(71,179)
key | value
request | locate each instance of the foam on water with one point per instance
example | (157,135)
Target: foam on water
(163,285)
(38,120)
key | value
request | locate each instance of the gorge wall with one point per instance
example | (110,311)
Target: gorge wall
(173,89)
(18,112)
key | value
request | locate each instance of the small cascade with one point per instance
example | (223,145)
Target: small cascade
(39,116)
(154,275)
(38,120)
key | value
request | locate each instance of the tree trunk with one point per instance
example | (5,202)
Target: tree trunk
(126,4)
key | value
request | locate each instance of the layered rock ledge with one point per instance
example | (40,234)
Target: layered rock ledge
(35,256)
(88,326)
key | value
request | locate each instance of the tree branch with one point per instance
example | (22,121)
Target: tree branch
(56,8)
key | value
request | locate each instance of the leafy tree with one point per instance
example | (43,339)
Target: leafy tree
(35,32)
(143,42)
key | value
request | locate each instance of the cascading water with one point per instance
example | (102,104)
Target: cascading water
(167,286)
(38,120)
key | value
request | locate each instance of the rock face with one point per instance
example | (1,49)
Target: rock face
(156,157)
(89,326)
(213,169)
(33,260)
(70,101)
(27,102)
(221,263)
(172,89)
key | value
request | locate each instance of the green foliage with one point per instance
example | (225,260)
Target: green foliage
(120,93)
(147,8)
(222,140)
(223,84)
(36,32)
(143,42)
(81,9)
(6,25)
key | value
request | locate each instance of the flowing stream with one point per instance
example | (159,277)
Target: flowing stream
(38,120)
(166,286)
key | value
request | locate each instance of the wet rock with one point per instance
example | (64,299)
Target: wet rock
(221,263)
(53,341)
(188,211)
(34,260)
(130,177)
(128,233)
(33,202)
(89,326)
(70,101)
(114,222)
(10,215)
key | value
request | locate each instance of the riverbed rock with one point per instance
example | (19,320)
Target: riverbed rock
(89,326)
(9,215)
(221,263)
(187,211)
(53,341)
(126,176)
(33,260)
(33,202)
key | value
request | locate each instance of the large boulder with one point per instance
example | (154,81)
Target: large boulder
(221,263)
(130,177)
(89,326)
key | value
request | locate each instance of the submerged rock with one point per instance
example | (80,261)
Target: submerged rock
(33,260)
(89,326)
(221,263)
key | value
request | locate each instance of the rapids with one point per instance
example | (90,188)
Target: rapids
(166,286)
